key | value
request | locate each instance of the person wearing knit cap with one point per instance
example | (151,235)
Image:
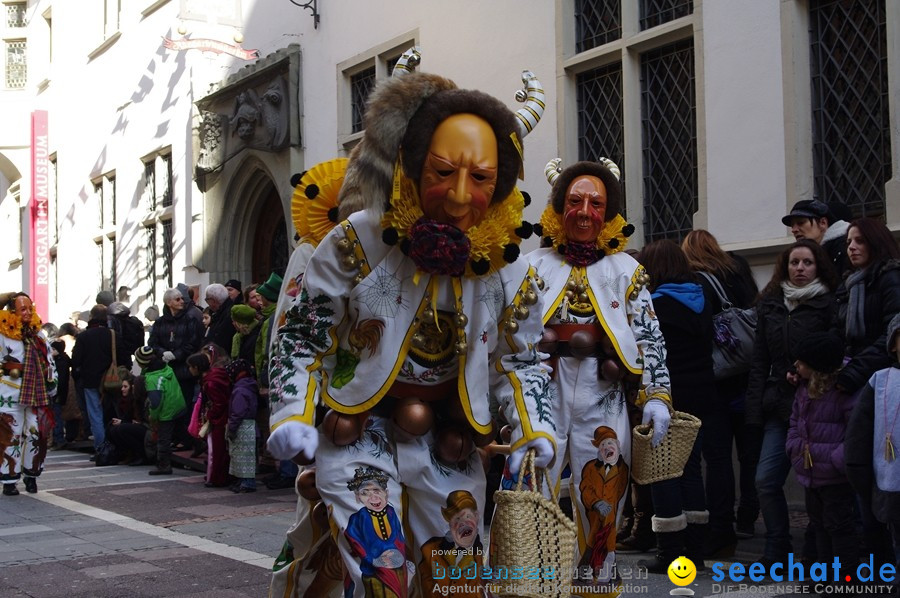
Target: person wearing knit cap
(417,290)
(815,446)
(235,291)
(247,328)
(873,441)
(270,289)
(166,404)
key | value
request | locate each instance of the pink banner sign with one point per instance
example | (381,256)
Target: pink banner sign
(39,240)
(210,45)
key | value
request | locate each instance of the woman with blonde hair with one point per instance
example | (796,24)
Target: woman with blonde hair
(724,423)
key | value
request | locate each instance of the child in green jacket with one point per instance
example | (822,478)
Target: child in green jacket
(166,403)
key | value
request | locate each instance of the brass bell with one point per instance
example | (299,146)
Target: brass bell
(461,320)
(512,326)
(461,347)
(349,262)
(345,245)
(522,312)
(570,285)
(583,298)
(539,282)
(579,288)
(530,297)
(358,278)
(428,314)
(418,340)
(570,295)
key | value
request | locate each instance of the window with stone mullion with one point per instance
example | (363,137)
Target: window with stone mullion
(850,110)
(669,145)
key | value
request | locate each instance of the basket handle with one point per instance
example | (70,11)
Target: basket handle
(537,475)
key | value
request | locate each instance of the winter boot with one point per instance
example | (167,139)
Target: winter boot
(30,485)
(694,535)
(669,543)
(641,538)
(10,489)
(163,467)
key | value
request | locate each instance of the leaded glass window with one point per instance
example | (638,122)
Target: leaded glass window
(361,85)
(657,12)
(15,14)
(16,64)
(167,252)
(166,182)
(597,22)
(850,112)
(669,130)
(151,260)
(600,119)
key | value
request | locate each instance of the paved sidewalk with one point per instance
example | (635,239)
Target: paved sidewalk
(115,531)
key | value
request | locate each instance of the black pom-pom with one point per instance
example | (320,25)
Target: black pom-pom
(628,230)
(527,198)
(511,252)
(296,236)
(390,236)
(333,215)
(561,249)
(538,229)
(404,246)
(295,178)
(525,230)
(312,190)
(613,243)
(481,266)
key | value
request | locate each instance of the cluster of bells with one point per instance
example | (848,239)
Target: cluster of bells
(13,369)
(349,261)
(576,292)
(521,310)
(640,281)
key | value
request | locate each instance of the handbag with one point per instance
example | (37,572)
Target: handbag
(734,331)
(194,425)
(111,379)
(106,454)
(530,531)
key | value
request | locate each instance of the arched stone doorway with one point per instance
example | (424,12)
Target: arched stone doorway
(270,243)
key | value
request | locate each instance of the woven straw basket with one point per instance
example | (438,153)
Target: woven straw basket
(532,532)
(666,461)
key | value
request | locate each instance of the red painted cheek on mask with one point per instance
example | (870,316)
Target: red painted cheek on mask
(571,219)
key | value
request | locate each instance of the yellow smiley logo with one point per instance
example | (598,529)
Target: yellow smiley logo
(682,571)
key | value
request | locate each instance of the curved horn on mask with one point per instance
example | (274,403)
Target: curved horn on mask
(553,170)
(533,96)
(612,167)
(407,62)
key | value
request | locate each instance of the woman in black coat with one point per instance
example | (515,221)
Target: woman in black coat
(685,320)
(724,422)
(797,301)
(867,300)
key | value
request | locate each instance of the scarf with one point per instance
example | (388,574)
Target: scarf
(856,305)
(794,295)
(35,371)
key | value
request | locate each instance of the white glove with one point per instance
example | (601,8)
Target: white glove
(602,507)
(543,454)
(292,438)
(168,356)
(657,411)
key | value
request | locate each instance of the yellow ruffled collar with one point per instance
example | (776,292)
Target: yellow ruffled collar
(494,242)
(11,324)
(613,237)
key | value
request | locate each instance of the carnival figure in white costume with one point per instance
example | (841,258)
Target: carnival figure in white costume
(27,386)
(416,320)
(606,348)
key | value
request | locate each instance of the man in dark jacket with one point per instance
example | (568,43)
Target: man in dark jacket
(91,357)
(127,326)
(221,328)
(826,225)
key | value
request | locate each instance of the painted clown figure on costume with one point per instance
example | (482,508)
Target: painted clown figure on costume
(416,322)
(605,345)
(27,385)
